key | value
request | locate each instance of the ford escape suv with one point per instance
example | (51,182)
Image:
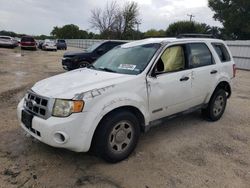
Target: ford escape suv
(128,90)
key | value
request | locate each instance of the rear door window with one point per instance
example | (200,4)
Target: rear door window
(199,55)
(221,52)
(27,39)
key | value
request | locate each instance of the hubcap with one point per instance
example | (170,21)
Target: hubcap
(218,105)
(121,136)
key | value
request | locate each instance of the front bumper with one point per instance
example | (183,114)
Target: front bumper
(60,132)
(69,64)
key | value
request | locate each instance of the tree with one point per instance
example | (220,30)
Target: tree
(154,33)
(234,15)
(181,27)
(116,22)
(69,31)
(130,14)
(104,20)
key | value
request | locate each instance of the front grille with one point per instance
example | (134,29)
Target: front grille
(37,105)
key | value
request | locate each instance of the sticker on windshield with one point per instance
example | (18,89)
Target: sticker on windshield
(127,66)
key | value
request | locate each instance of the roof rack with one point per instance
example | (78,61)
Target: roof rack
(193,35)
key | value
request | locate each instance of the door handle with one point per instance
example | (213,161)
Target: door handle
(213,72)
(185,78)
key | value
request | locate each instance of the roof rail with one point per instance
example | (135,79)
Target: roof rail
(193,35)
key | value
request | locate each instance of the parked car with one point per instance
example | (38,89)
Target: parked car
(8,42)
(28,42)
(128,90)
(61,44)
(49,45)
(40,44)
(75,60)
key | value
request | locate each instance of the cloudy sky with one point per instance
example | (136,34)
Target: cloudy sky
(40,16)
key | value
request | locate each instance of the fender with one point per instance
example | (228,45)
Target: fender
(224,78)
(107,103)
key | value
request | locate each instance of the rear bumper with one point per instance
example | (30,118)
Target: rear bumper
(50,48)
(28,47)
(9,45)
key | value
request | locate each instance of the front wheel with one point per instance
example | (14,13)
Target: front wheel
(116,137)
(216,106)
(83,64)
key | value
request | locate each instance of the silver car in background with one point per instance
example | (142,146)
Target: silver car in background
(8,42)
(49,45)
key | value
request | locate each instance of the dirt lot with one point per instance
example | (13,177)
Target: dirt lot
(185,152)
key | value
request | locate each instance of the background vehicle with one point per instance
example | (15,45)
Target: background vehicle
(75,60)
(28,42)
(49,45)
(40,44)
(61,44)
(8,42)
(129,89)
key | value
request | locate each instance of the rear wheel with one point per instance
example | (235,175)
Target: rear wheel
(116,137)
(216,106)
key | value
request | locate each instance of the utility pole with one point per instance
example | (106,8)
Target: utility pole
(138,22)
(191,16)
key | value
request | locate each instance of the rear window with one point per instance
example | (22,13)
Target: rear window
(27,39)
(222,52)
(61,41)
(8,38)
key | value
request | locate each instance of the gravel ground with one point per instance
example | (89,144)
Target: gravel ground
(184,152)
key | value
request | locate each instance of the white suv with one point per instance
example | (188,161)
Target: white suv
(105,106)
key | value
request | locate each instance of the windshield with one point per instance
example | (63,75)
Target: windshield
(131,60)
(93,47)
(27,39)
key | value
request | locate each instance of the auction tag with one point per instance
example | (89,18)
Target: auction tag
(127,66)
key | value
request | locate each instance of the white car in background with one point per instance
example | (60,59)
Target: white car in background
(49,45)
(8,42)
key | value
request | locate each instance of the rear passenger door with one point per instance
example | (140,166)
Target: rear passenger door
(204,72)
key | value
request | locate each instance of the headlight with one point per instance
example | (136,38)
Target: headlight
(64,108)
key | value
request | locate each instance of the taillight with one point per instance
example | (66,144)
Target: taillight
(234,70)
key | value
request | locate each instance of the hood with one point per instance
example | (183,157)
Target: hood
(68,84)
(73,53)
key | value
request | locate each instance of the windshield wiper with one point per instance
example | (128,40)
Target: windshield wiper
(106,69)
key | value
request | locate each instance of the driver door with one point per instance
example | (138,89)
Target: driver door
(169,85)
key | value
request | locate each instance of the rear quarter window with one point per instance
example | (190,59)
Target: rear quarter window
(222,52)
(61,41)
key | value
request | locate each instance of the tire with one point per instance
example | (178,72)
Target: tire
(116,136)
(83,64)
(216,106)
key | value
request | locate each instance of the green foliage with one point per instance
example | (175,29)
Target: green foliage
(154,33)
(181,27)
(234,15)
(69,31)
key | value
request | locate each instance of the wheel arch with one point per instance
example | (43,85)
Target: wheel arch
(134,110)
(129,108)
(226,86)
